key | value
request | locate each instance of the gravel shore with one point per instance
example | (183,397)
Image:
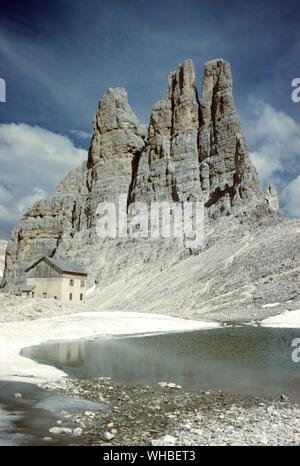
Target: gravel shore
(164,415)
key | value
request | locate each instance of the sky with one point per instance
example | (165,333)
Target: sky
(58,57)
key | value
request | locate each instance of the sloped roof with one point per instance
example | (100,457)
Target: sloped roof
(27,288)
(62,266)
(66,266)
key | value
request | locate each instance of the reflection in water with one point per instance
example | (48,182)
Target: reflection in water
(68,353)
(241,359)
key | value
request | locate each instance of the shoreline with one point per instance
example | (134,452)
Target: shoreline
(287,319)
(17,335)
(164,416)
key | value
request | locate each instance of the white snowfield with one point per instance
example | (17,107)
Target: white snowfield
(270,305)
(288,319)
(91,289)
(20,334)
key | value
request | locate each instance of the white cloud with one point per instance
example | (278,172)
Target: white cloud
(30,199)
(274,138)
(291,196)
(33,161)
(80,134)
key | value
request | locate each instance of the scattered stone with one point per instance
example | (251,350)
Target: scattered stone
(169,385)
(297,438)
(166,440)
(77,432)
(163,384)
(60,430)
(18,395)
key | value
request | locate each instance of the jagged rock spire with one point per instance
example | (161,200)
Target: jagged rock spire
(195,148)
(227,175)
(116,128)
(117,140)
(169,167)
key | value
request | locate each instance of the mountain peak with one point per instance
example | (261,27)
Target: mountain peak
(194,150)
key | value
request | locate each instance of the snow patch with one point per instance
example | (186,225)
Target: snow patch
(271,305)
(91,289)
(287,319)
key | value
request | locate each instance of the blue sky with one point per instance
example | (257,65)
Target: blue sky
(58,57)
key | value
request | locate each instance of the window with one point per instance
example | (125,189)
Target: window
(55,297)
(72,282)
(44,295)
(32,294)
(81,283)
(70,296)
(81,296)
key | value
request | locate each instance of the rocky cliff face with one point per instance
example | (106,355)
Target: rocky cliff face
(227,174)
(168,168)
(117,141)
(42,228)
(193,150)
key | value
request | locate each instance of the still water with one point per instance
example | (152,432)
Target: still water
(243,360)
(26,421)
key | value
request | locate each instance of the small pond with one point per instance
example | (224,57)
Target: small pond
(242,359)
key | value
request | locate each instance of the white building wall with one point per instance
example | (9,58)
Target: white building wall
(51,286)
(76,289)
(60,288)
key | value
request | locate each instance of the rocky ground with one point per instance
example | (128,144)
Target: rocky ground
(15,308)
(231,279)
(167,415)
